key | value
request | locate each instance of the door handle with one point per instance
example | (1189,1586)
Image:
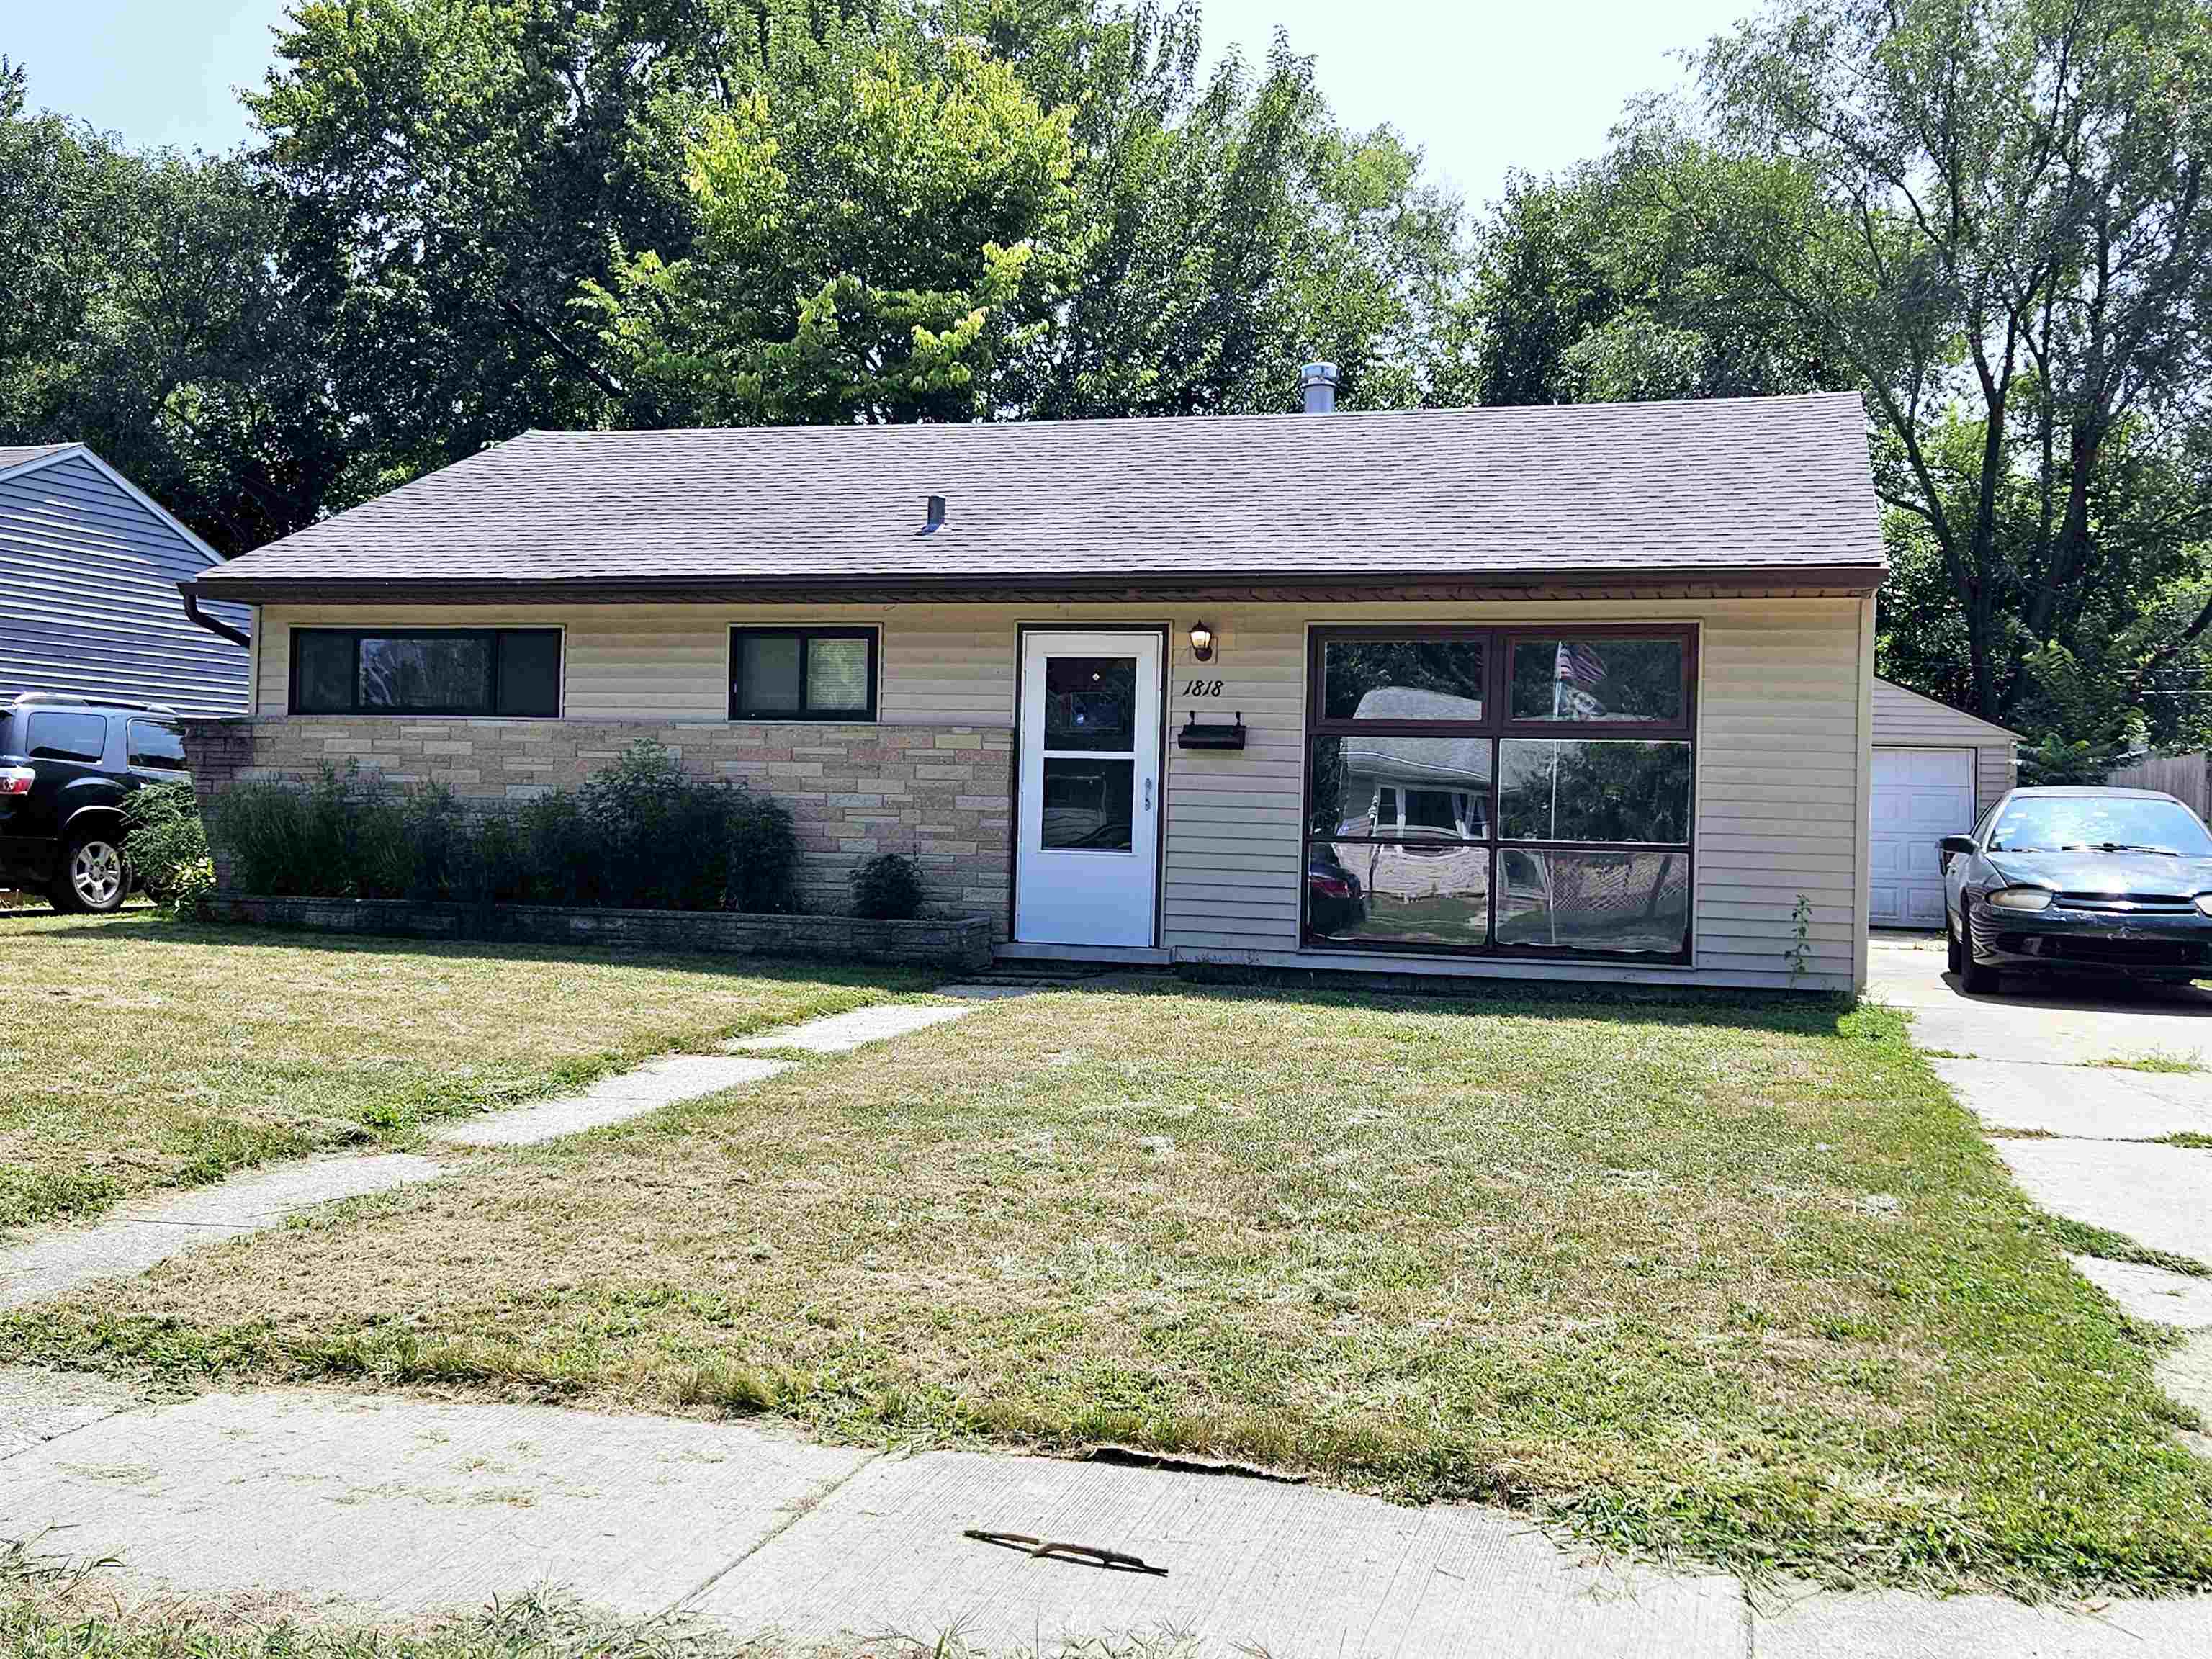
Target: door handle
(1148,794)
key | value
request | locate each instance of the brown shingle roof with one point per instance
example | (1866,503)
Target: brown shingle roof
(12,455)
(1779,486)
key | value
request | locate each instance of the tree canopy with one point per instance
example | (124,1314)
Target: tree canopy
(462,218)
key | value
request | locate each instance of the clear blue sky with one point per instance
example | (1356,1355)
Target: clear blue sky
(1480,85)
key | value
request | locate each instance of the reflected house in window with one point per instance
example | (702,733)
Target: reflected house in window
(1423,813)
(1554,818)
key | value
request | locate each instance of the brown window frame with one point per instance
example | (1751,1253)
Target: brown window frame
(1497,725)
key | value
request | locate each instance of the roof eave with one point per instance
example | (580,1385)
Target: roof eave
(1218,587)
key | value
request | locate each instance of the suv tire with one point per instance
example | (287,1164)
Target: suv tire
(93,878)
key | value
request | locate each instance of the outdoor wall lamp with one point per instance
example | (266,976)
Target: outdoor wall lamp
(1201,642)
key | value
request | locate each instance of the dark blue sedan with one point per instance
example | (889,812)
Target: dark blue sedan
(2081,880)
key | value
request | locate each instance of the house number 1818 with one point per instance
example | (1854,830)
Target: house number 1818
(1202,689)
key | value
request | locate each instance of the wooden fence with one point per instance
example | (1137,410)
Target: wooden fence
(2182,776)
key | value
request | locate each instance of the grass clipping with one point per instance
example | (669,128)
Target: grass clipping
(1729,1281)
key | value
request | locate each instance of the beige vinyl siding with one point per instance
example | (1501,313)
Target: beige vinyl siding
(1781,794)
(1906,720)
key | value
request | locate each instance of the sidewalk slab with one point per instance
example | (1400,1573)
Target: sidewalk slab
(1892,1624)
(2091,1102)
(2160,1196)
(1252,1566)
(838,1034)
(658,1083)
(377,1507)
(134,1237)
(2186,1373)
(2151,1293)
(37,1405)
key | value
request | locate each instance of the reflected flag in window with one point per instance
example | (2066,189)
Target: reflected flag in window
(1578,663)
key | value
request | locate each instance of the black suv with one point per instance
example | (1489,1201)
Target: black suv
(66,764)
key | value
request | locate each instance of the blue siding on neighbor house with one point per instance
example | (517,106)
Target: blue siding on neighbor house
(88,600)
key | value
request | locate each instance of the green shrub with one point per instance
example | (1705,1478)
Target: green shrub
(287,841)
(640,834)
(167,845)
(888,888)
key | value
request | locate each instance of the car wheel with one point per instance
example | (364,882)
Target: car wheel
(93,878)
(1953,957)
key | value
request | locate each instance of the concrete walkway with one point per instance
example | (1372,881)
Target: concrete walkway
(138,1235)
(376,1507)
(2080,1133)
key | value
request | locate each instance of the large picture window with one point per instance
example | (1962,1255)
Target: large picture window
(1518,791)
(510,672)
(802,674)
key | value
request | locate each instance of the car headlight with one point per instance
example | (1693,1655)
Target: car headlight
(2025,898)
(2204,904)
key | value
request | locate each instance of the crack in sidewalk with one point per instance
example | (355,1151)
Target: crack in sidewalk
(798,1513)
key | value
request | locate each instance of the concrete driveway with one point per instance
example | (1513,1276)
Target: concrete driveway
(2084,1087)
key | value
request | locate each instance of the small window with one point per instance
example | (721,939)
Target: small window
(803,674)
(514,673)
(156,745)
(68,737)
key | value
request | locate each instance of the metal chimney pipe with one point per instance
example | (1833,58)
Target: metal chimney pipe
(1317,386)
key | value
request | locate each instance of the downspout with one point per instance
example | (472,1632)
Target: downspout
(193,613)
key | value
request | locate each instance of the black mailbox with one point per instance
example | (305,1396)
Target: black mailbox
(1215,736)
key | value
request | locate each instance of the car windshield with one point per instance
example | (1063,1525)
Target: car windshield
(2050,823)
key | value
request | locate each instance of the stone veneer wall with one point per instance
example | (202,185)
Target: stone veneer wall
(941,795)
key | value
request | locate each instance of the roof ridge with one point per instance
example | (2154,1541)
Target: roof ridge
(1341,416)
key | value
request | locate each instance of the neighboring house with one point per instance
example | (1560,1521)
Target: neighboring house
(1027,654)
(89,569)
(1936,770)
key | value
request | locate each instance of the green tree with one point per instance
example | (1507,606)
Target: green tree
(1227,231)
(147,316)
(2004,236)
(1597,288)
(881,213)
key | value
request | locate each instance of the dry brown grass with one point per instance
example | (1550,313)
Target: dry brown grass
(143,1052)
(1735,1280)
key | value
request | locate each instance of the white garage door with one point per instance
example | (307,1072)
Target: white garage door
(1920,795)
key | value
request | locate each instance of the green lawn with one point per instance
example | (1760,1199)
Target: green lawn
(143,1052)
(1732,1280)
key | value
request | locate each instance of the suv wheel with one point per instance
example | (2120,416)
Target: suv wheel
(93,877)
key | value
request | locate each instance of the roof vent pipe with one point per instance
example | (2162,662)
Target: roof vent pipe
(936,517)
(1317,384)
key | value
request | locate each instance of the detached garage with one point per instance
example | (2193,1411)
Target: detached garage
(1935,771)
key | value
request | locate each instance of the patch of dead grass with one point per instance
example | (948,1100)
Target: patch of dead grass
(1737,1281)
(142,1052)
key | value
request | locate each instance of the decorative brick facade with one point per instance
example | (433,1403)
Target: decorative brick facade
(941,795)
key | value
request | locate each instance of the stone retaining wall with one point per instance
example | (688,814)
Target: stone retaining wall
(962,942)
(941,795)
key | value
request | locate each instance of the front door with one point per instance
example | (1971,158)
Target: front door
(1086,859)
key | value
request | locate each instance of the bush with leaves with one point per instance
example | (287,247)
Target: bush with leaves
(641,834)
(888,888)
(167,846)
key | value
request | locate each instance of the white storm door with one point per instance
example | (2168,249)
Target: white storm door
(1920,796)
(1086,858)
